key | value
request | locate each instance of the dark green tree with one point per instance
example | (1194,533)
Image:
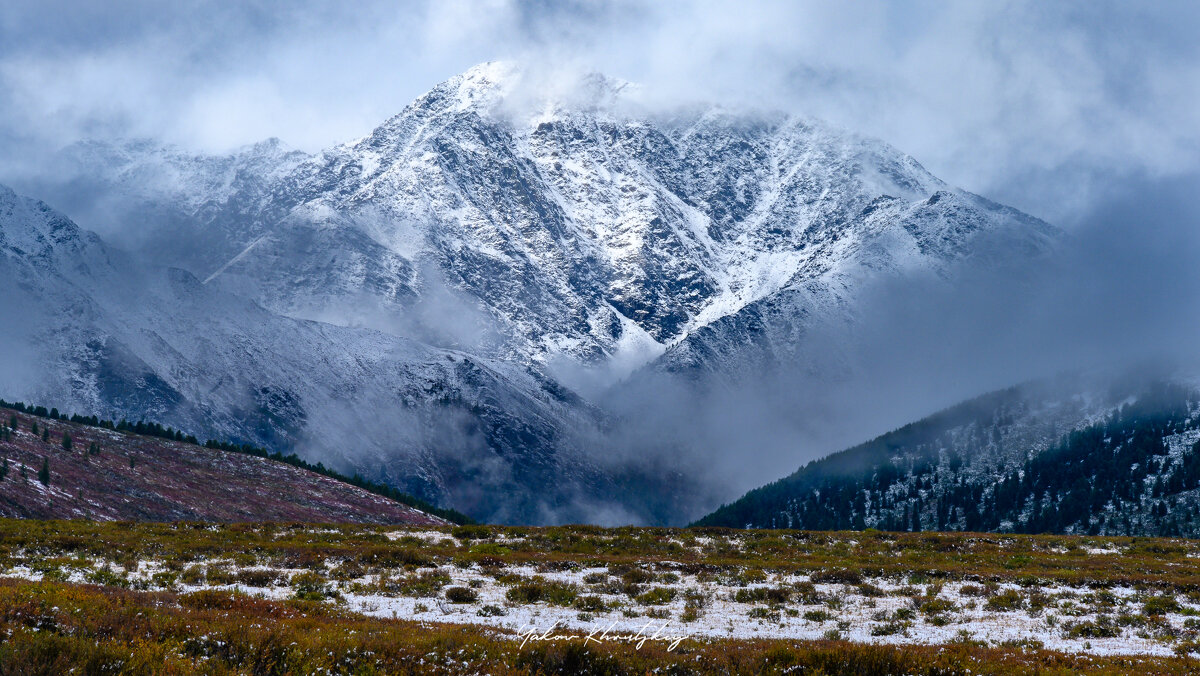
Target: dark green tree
(66,441)
(44,472)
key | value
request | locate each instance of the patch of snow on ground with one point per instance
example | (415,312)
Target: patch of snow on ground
(843,610)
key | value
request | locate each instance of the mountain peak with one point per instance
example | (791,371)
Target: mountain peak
(513,89)
(30,227)
(480,86)
(490,73)
(272,146)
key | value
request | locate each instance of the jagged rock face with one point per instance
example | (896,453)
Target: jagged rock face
(941,235)
(508,231)
(179,208)
(579,226)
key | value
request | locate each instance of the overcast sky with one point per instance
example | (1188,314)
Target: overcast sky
(1042,105)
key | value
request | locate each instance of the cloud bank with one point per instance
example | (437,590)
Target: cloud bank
(1041,106)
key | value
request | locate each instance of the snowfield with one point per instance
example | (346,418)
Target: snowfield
(664,598)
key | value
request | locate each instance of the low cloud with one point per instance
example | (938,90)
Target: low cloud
(1122,293)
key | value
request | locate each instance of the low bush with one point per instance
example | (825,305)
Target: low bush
(591,604)
(394,557)
(1160,605)
(773,595)
(310,586)
(761,613)
(259,578)
(1102,627)
(538,590)
(656,596)
(1005,601)
(461,595)
(472,532)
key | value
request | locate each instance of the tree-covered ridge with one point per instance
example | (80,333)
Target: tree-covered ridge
(1134,472)
(154,429)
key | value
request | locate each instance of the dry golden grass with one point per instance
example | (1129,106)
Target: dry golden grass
(835,556)
(50,627)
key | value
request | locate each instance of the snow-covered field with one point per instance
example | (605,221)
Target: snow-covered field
(662,598)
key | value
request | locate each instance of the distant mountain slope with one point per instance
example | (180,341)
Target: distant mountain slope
(194,203)
(1125,461)
(109,475)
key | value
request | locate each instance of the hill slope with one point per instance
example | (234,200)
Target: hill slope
(1029,459)
(131,477)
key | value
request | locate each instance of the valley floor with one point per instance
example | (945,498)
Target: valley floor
(518,599)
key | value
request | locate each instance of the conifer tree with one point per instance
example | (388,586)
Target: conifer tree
(44,472)
(66,441)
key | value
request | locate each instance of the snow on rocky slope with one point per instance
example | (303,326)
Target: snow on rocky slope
(580,224)
(498,239)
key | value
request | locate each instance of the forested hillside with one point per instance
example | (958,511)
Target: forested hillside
(1134,470)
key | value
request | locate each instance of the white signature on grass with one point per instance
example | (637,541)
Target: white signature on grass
(647,632)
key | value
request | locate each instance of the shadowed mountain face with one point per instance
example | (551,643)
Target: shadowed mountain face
(449,302)
(1094,455)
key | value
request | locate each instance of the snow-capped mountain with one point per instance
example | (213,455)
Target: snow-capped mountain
(577,225)
(490,240)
